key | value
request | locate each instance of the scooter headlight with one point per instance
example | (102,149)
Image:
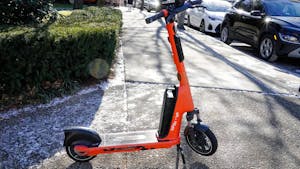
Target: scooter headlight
(212,18)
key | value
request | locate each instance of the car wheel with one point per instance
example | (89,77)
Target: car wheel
(71,1)
(189,21)
(225,35)
(267,48)
(202,26)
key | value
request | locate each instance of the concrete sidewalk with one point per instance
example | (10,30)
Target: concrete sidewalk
(255,118)
(255,115)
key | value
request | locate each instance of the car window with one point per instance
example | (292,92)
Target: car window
(245,5)
(236,4)
(257,5)
(217,5)
(282,8)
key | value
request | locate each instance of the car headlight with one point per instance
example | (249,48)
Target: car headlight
(212,18)
(289,38)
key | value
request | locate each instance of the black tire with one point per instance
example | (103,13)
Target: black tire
(76,156)
(148,8)
(202,26)
(267,48)
(189,21)
(224,36)
(203,143)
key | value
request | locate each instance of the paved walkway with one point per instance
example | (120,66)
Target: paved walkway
(256,123)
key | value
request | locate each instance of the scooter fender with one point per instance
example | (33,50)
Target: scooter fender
(201,127)
(81,134)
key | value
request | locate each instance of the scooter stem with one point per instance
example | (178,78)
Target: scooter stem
(184,101)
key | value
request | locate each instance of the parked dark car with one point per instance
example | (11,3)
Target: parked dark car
(270,26)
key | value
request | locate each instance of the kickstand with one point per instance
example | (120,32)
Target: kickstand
(179,150)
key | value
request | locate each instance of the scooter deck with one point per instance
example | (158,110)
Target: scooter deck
(137,137)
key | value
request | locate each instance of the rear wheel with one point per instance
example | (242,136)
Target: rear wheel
(202,26)
(78,156)
(225,35)
(267,48)
(202,142)
(189,21)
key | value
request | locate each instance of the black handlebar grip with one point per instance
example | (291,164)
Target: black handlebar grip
(195,2)
(154,17)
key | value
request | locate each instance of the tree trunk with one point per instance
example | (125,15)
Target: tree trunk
(142,5)
(78,4)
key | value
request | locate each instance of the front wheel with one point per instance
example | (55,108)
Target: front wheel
(203,142)
(225,35)
(202,26)
(189,21)
(79,156)
(267,48)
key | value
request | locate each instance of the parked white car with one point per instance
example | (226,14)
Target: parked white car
(152,5)
(209,16)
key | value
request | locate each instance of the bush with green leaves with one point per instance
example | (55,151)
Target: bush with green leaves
(26,11)
(44,61)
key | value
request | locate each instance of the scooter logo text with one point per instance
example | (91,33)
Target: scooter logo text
(175,121)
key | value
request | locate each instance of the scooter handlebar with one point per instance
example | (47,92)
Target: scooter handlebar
(195,2)
(154,17)
(186,5)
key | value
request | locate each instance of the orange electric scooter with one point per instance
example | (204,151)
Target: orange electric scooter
(83,144)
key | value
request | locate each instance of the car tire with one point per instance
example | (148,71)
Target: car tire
(202,26)
(189,21)
(225,35)
(267,48)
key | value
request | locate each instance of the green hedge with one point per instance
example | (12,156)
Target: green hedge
(41,62)
(25,11)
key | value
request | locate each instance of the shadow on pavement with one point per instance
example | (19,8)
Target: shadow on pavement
(283,63)
(198,165)
(278,142)
(31,137)
(77,165)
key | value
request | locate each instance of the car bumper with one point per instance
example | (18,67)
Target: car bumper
(213,26)
(286,49)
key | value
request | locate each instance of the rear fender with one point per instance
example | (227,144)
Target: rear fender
(79,134)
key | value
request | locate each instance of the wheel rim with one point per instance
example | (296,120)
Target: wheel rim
(266,48)
(77,156)
(202,26)
(200,142)
(224,34)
